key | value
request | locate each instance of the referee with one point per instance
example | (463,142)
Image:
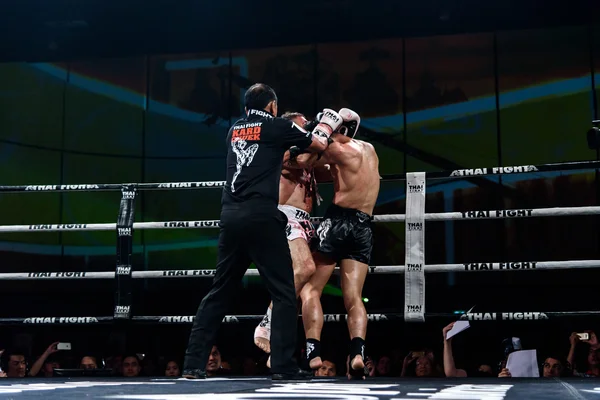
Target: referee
(252,229)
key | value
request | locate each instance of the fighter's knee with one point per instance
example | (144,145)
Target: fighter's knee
(309,267)
(352,301)
(309,292)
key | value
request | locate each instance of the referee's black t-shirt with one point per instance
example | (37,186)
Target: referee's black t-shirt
(255,149)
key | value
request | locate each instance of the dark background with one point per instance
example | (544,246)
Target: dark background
(113,92)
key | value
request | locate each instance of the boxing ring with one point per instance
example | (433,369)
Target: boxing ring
(414,270)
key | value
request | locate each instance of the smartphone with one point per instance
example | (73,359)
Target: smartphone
(418,353)
(584,336)
(63,346)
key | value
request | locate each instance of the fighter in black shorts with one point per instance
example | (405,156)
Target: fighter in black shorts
(344,237)
(345,233)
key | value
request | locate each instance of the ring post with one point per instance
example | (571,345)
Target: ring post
(414,274)
(124,250)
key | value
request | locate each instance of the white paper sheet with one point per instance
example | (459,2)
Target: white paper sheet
(458,327)
(523,364)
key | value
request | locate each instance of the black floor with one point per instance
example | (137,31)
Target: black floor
(264,388)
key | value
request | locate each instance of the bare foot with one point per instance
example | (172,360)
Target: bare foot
(262,338)
(315,363)
(357,362)
(263,344)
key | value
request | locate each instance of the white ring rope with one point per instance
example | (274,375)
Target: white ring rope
(386,269)
(458,173)
(447,216)
(125,225)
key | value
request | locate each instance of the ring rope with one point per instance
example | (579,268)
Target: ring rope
(457,173)
(446,216)
(125,223)
(380,317)
(380,269)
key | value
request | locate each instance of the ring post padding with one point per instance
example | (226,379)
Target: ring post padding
(414,276)
(125,219)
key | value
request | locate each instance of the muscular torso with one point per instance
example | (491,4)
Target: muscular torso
(294,189)
(356,181)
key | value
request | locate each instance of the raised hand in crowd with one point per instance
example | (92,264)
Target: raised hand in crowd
(370,365)
(592,350)
(450,369)
(39,363)
(410,357)
(2,373)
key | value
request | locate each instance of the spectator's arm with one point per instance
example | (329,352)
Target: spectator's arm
(450,369)
(407,360)
(370,366)
(2,373)
(505,373)
(39,363)
(574,339)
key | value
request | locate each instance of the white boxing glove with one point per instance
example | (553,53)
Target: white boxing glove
(350,124)
(330,121)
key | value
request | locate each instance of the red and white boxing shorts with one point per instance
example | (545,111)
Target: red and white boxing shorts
(299,224)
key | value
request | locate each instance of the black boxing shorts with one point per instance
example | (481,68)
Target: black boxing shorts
(345,233)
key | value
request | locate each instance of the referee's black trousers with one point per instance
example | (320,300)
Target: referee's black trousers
(249,233)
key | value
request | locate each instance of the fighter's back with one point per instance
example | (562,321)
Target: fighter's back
(356,176)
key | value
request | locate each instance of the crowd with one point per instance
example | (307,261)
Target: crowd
(582,360)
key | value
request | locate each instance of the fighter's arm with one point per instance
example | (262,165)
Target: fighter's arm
(290,159)
(317,140)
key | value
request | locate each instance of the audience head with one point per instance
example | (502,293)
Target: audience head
(88,362)
(214,362)
(553,367)
(49,366)
(424,366)
(132,366)
(14,363)
(172,369)
(327,369)
(384,366)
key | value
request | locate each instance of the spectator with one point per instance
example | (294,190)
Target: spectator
(172,369)
(49,366)
(370,366)
(2,373)
(326,369)
(591,364)
(384,366)
(450,369)
(553,367)
(420,364)
(14,363)
(214,365)
(88,362)
(41,363)
(131,366)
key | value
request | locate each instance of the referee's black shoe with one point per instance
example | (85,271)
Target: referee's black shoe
(300,375)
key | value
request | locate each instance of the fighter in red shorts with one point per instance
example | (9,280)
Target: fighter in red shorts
(297,192)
